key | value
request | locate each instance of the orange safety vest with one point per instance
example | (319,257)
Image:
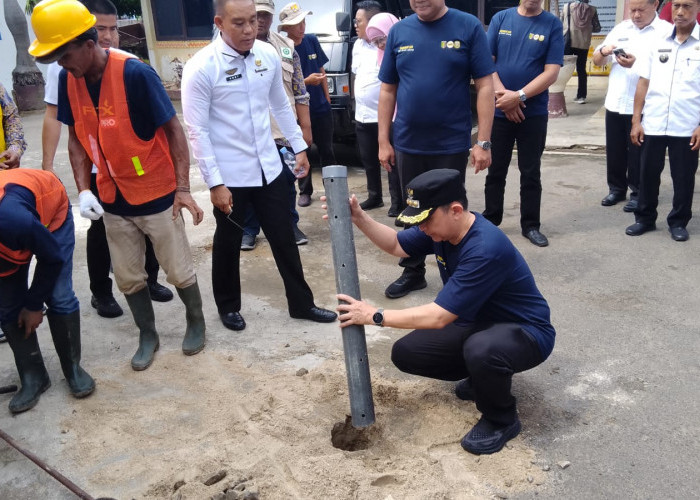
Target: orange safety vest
(51,204)
(142,170)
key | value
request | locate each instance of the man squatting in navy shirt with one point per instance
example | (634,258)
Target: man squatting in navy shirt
(488,322)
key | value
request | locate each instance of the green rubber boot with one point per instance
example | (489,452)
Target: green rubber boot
(30,365)
(195,334)
(65,330)
(142,310)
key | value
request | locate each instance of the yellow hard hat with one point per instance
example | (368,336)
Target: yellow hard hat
(57,22)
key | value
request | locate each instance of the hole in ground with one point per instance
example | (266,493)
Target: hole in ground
(346,437)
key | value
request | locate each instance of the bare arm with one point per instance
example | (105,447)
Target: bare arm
(80,162)
(324,84)
(485,108)
(382,236)
(50,135)
(304,119)
(180,154)
(385,113)
(357,312)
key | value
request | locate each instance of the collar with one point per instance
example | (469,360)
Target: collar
(693,34)
(229,51)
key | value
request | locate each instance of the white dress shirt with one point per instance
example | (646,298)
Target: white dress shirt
(226,101)
(622,82)
(367,84)
(672,104)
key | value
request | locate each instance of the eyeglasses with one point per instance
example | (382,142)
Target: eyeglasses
(378,41)
(354,22)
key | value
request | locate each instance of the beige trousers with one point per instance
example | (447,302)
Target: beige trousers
(127,246)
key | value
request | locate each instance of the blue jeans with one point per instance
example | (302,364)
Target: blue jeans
(251,225)
(13,288)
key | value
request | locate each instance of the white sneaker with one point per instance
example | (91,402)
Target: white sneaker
(580,100)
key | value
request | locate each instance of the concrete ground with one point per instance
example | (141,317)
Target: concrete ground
(613,413)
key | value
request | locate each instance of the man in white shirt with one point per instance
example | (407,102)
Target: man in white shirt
(366,91)
(619,49)
(229,89)
(667,116)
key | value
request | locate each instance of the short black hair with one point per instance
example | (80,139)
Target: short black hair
(371,7)
(90,34)
(464,202)
(102,7)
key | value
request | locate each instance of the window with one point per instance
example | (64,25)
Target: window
(183,19)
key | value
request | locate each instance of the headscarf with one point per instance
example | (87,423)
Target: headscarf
(379,26)
(581,14)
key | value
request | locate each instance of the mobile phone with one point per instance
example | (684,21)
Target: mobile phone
(620,52)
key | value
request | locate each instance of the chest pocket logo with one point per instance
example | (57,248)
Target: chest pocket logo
(286,52)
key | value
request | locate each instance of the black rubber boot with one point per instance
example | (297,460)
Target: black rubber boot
(30,365)
(65,331)
(142,310)
(195,334)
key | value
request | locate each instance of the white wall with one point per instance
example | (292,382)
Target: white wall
(8,53)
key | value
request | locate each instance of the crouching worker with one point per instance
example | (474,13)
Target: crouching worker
(36,220)
(488,322)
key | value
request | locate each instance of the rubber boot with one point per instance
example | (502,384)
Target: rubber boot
(142,310)
(65,330)
(30,365)
(195,333)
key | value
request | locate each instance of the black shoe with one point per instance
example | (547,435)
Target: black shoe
(299,236)
(233,320)
(678,233)
(464,390)
(106,307)
(639,228)
(536,238)
(631,206)
(159,293)
(248,242)
(612,199)
(316,314)
(487,437)
(393,211)
(371,203)
(405,285)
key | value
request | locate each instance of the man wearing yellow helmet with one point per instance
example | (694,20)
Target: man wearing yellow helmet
(120,118)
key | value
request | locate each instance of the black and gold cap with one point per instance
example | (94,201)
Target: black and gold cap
(429,191)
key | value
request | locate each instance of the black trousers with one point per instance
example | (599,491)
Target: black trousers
(270,203)
(368,146)
(683,163)
(530,135)
(410,166)
(322,131)
(622,157)
(581,58)
(489,354)
(99,260)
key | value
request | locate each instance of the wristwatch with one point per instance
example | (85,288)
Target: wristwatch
(378,317)
(522,95)
(485,145)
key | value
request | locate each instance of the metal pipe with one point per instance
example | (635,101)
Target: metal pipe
(335,181)
(74,488)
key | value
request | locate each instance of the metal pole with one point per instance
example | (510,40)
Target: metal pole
(335,181)
(74,488)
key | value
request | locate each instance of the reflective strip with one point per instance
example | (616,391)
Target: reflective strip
(137,165)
